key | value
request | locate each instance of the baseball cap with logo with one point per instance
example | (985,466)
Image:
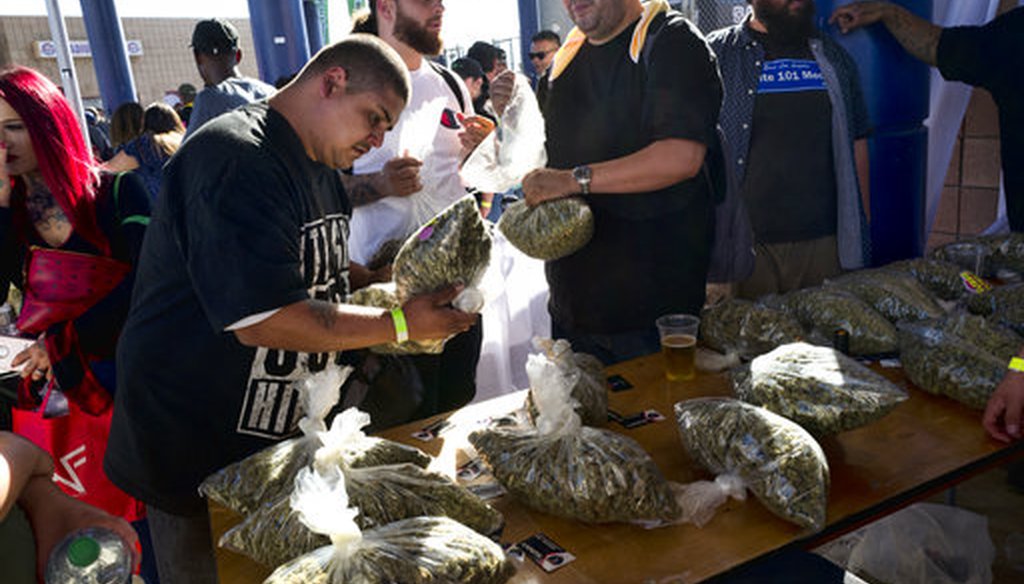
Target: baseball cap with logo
(214,36)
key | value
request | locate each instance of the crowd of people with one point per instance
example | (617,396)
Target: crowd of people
(230,232)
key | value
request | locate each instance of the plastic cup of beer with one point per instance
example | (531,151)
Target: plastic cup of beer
(679,345)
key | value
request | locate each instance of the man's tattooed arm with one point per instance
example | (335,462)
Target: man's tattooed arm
(362,189)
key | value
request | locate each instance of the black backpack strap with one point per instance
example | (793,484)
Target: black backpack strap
(452,83)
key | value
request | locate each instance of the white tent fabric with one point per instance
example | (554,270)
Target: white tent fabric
(949,104)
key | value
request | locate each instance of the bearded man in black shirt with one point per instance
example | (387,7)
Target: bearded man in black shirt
(631,109)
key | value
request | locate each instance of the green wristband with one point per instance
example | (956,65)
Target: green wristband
(401,328)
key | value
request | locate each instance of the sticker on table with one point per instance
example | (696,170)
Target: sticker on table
(545,552)
(618,383)
(470,470)
(432,431)
(635,420)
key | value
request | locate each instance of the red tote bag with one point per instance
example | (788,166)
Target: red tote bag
(77,441)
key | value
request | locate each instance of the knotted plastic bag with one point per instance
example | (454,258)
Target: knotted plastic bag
(777,460)
(566,469)
(419,550)
(550,230)
(273,534)
(515,148)
(269,473)
(583,373)
(819,388)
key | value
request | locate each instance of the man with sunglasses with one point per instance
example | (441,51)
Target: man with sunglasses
(630,113)
(402,183)
(543,46)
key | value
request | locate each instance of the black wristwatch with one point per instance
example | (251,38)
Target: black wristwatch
(582,175)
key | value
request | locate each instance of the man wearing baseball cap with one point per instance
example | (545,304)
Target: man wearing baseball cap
(215,47)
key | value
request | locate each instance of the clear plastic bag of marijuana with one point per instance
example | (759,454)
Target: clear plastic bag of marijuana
(273,534)
(550,230)
(515,148)
(420,550)
(998,299)
(452,248)
(780,462)
(564,468)
(974,255)
(746,328)
(824,310)
(943,363)
(268,475)
(819,388)
(895,295)
(943,279)
(986,256)
(987,335)
(584,373)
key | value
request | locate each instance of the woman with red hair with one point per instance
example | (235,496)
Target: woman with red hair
(69,239)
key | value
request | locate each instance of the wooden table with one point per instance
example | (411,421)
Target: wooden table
(925,445)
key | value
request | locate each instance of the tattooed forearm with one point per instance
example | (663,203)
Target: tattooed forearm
(919,37)
(361,189)
(326,314)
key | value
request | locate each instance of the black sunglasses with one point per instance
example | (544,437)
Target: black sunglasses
(539,54)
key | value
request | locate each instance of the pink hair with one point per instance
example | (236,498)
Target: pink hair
(65,161)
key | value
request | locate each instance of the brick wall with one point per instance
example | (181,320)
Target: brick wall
(165,64)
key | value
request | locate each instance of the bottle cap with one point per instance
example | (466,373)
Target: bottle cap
(83,551)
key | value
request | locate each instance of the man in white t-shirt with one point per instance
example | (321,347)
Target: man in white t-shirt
(414,174)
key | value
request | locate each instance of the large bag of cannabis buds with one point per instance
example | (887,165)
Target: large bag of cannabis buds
(943,363)
(452,248)
(824,310)
(420,550)
(945,280)
(549,231)
(897,296)
(819,388)
(778,460)
(582,372)
(273,534)
(747,329)
(268,475)
(570,470)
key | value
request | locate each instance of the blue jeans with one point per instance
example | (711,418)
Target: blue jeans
(611,348)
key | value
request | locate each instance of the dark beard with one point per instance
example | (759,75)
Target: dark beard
(786,28)
(416,36)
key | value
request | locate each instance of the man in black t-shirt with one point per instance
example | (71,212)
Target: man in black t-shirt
(987,56)
(240,286)
(632,106)
(796,123)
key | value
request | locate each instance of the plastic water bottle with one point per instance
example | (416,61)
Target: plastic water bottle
(90,556)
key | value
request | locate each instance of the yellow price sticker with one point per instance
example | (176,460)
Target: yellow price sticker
(974,283)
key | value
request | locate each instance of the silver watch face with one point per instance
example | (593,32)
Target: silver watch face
(581,174)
